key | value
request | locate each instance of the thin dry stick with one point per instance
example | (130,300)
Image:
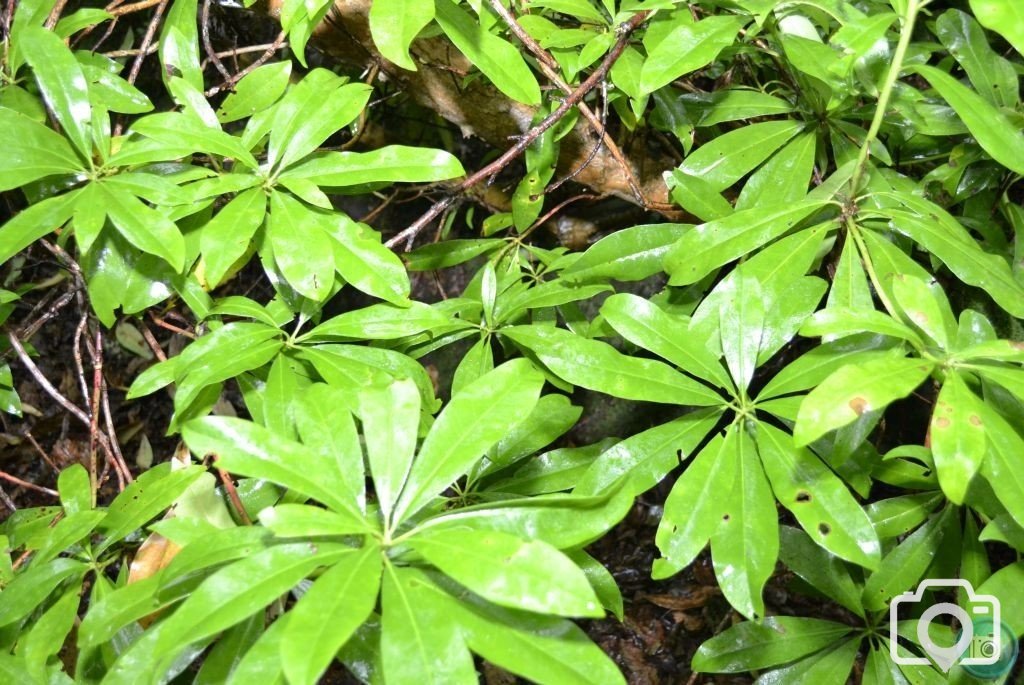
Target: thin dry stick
(549,67)
(19,349)
(278,44)
(121,10)
(53,392)
(94,409)
(120,466)
(573,99)
(25,484)
(42,453)
(236,501)
(208,44)
(147,40)
(55,13)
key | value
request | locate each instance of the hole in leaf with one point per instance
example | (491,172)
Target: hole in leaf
(824,528)
(803,496)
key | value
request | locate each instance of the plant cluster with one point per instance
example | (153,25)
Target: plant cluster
(836,341)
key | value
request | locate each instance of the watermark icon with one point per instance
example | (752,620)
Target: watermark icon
(985,647)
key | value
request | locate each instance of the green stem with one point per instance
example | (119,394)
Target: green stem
(913,7)
(853,230)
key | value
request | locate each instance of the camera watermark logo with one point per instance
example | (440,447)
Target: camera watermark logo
(985,647)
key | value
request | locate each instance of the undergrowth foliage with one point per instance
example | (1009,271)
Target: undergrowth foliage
(852,174)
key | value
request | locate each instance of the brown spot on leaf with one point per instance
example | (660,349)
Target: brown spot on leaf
(974,419)
(859,405)
(942,422)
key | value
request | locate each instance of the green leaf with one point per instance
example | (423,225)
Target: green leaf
(756,645)
(145,499)
(695,505)
(321,406)
(226,237)
(646,325)
(854,390)
(992,76)
(302,251)
(838,322)
(475,419)
(32,151)
(688,48)
(818,567)
(241,589)
(419,641)
(562,521)
(731,104)
(306,521)
(144,227)
(544,649)
(62,84)
(395,23)
(390,417)
(742,324)
(731,156)
(995,132)
(75,489)
(598,366)
(34,222)
(498,59)
(716,243)
(897,516)
(552,416)
(831,665)
(248,449)
(647,457)
(1000,466)
(46,637)
(366,264)
(957,437)
(225,353)
(1005,17)
(784,177)
(944,237)
(923,309)
(29,589)
(179,45)
(745,545)
(629,254)
(328,614)
(1005,585)
(181,128)
(262,663)
(380,322)
(256,91)
(850,284)
(320,104)
(811,368)
(389,164)
(529,575)
(903,566)
(818,498)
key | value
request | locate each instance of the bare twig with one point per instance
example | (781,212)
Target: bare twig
(236,501)
(278,44)
(45,384)
(94,412)
(208,44)
(147,40)
(624,31)
(549,67)
(25,484)
(121,10)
